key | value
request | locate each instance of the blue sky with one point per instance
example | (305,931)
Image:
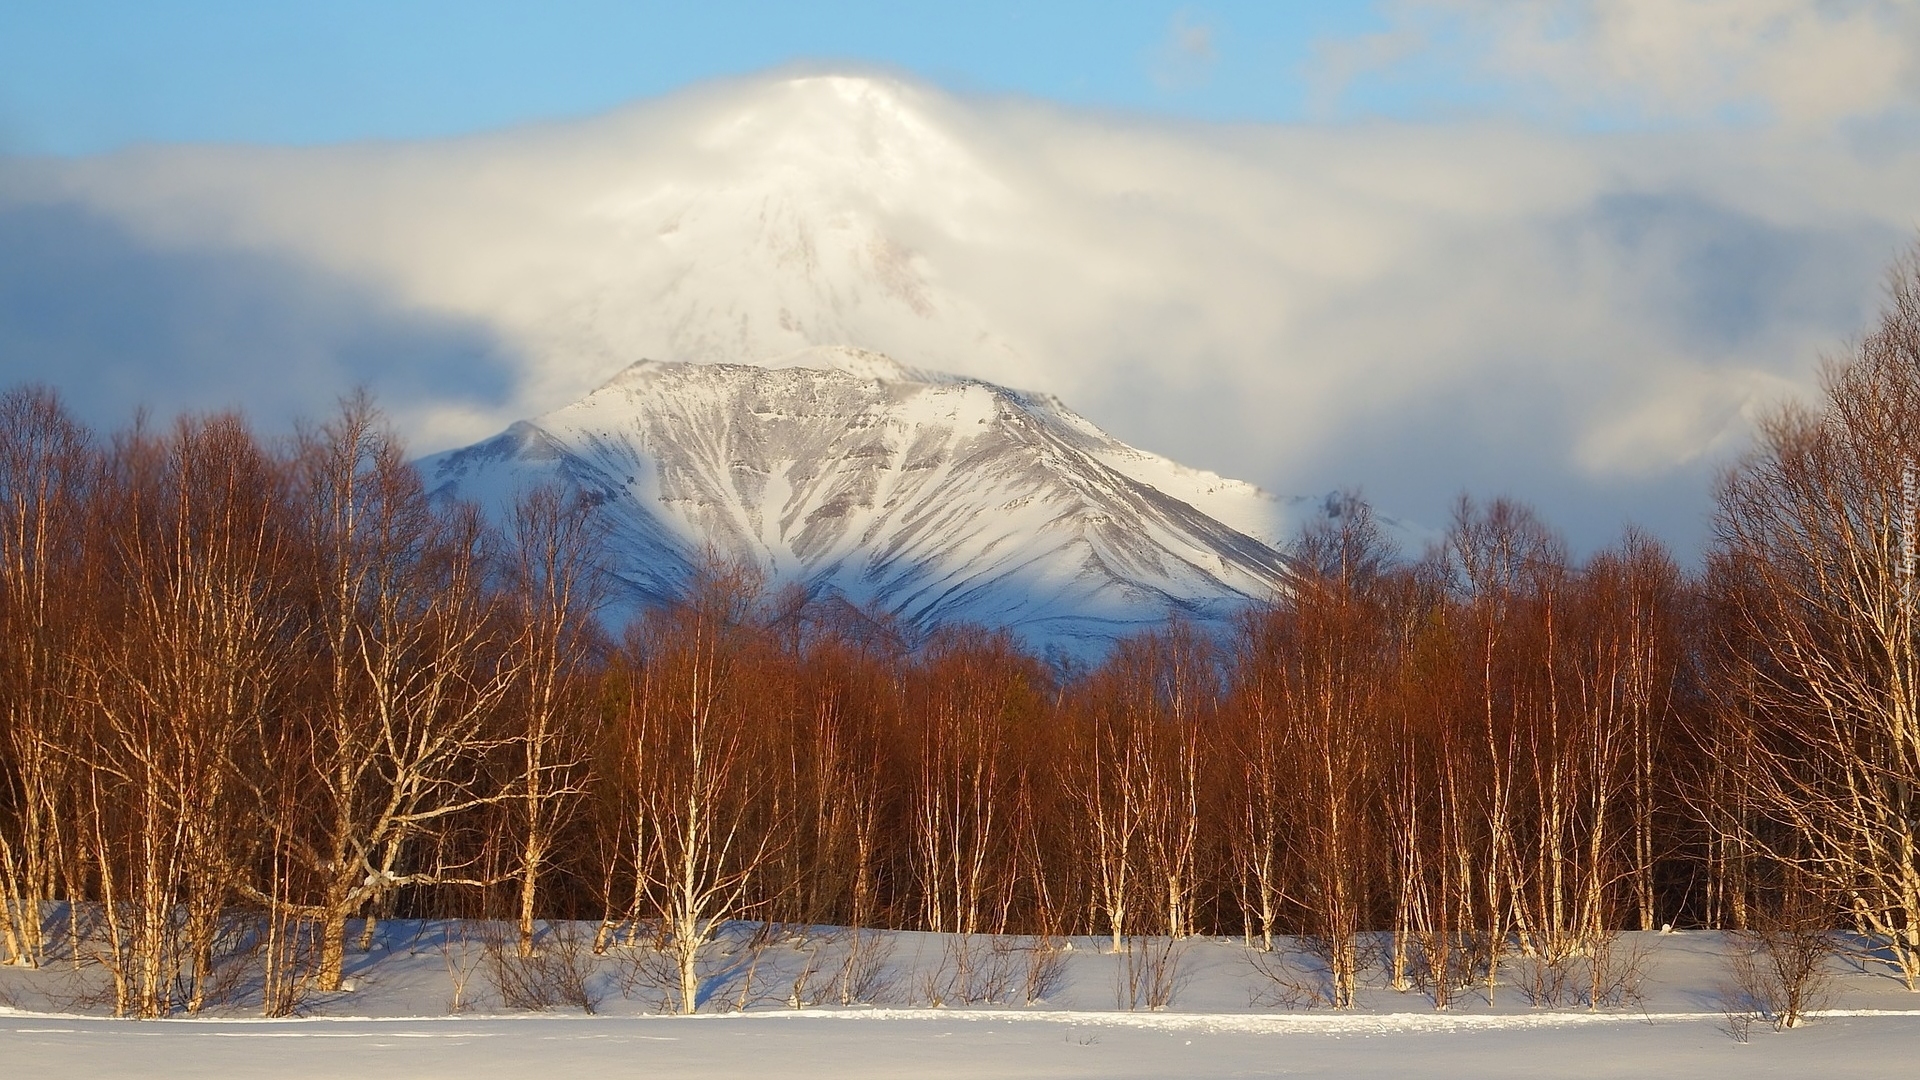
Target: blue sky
(84,77)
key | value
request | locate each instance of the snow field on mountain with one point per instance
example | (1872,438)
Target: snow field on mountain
(397,1021)
(935,498)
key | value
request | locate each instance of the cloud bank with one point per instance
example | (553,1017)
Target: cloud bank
(1587,319)
(1804,64)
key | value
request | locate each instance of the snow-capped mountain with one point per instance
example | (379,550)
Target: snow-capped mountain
(937,498)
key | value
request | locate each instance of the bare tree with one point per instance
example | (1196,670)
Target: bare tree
(412,667)
(1174,701)
(702,837)
(1331,669)
(841,756)
(1651,614)
(1261,800)
(1511,570)
(1814,571)
(1103,778)
(973,688)
(47,467)
(552,545)
(192,662)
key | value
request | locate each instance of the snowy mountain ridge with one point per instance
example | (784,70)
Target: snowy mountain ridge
(933,497)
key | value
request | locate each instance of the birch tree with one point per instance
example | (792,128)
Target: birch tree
(551,598)
(703,837)
(1330,692)
(973,690)
(412,667)
(47,469)
(1815,567)
(193,660)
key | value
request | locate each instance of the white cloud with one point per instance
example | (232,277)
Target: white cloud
(1579,319)
(1801,63)
(1186,56)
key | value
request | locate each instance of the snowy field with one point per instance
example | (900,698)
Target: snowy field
(399,1019)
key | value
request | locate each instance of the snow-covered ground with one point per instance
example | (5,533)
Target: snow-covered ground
(398,1020)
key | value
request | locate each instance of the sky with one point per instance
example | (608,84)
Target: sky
(1565,250)
(80,78)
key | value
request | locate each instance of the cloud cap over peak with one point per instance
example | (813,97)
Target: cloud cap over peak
(1583,319)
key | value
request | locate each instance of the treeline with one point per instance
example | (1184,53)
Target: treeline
(279,688)
(289,682)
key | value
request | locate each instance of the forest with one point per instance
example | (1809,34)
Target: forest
(269,690)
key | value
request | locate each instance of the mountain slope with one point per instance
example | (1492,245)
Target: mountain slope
(936,498)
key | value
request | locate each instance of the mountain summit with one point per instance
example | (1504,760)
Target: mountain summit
(801,215)
(937,498)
